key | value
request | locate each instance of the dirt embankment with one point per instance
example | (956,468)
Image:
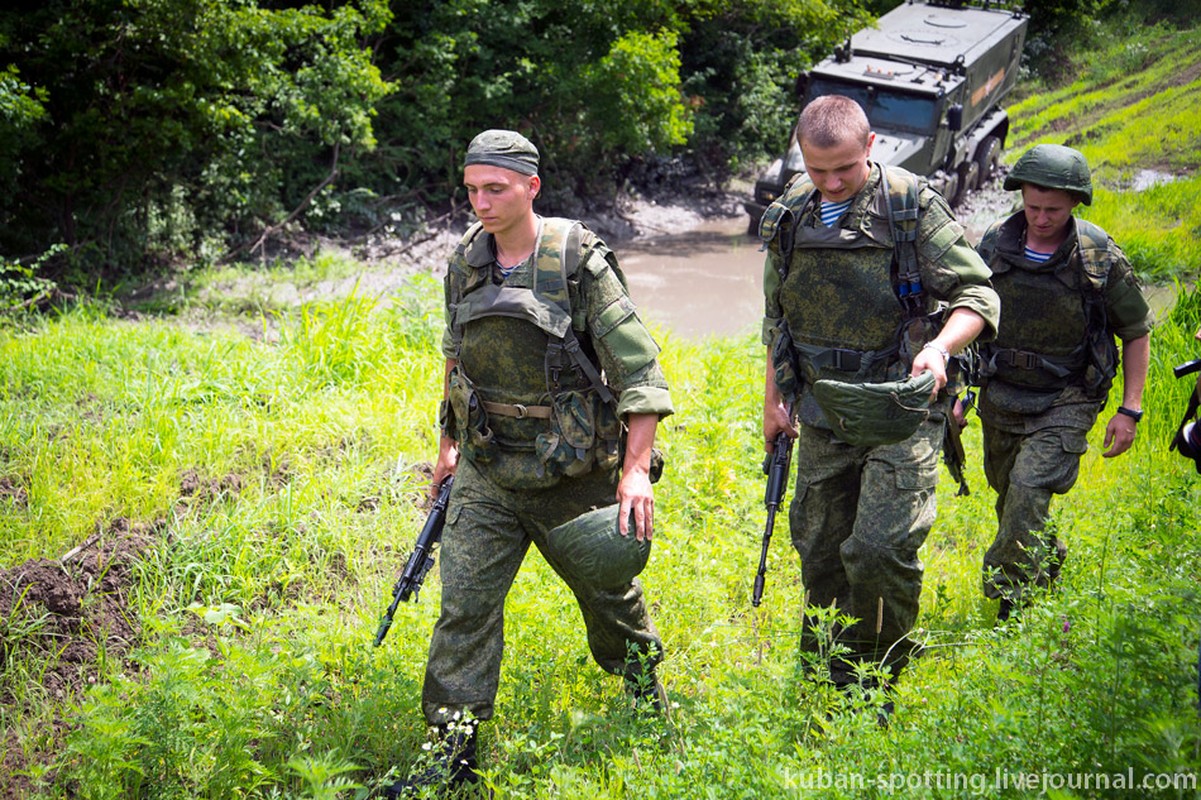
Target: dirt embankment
(66,615)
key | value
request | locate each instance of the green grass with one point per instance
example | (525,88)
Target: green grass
(279,474)
(254,675)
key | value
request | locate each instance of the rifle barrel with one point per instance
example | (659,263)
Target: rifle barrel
(420,560)
(761,574)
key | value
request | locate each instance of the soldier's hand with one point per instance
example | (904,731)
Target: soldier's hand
(776,420)
(637,499)
(930,360)
(448,462)
(959,412)
(1119,435)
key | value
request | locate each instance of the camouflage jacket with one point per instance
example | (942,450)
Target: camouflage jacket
(512,339)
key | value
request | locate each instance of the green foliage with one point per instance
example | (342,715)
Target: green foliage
(172,122)
(254,675)
(21,286)
(741,62)
(601,88)
(649,61)
(149,132)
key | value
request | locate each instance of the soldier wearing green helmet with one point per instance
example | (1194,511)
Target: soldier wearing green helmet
(553,392)
(1067,290)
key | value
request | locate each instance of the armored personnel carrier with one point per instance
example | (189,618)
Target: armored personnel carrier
(931,78)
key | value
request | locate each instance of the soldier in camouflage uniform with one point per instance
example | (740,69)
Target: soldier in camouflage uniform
(544,449)
(1067,290)
(860,513)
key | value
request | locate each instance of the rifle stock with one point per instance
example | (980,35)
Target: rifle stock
(421,559)
(775,466)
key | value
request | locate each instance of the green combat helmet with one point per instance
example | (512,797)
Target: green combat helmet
(592,547)
(1053,166)
(873,414)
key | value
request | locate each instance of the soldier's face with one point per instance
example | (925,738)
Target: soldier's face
(500,198)
(1048,212)
(838,172)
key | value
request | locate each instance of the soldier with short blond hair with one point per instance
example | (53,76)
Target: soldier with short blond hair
(868,279)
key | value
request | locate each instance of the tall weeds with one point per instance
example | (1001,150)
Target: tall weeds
(286,476)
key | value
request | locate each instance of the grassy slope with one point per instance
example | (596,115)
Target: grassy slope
(256,678)
(1136,107)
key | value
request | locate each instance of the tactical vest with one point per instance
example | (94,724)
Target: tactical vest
(1058,317)
(856,327)
(535,407)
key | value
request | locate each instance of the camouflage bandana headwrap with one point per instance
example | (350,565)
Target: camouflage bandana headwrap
(507,149)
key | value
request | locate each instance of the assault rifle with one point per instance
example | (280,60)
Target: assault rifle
(1183,440)
(420,561)
(953,454)
(775,466)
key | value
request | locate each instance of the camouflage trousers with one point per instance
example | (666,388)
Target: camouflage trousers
(857,518)
(488,532)
(1025,470)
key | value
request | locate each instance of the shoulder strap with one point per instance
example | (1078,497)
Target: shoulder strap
(560,251)
(901,189)
(778,224)
(988,243)
(461,277)
(1093,245)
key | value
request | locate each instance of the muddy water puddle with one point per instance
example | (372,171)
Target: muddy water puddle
(704,282)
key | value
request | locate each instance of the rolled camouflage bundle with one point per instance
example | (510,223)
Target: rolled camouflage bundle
(872,414)
(593,548)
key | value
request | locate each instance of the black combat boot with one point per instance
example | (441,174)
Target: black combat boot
(453,767)
(646,692)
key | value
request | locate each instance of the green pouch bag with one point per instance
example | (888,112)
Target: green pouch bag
(873,414)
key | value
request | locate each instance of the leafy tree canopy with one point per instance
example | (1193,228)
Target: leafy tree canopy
(138,133)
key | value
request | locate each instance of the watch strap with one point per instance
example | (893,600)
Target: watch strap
(1130,412)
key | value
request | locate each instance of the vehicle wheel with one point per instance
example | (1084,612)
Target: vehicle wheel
(950,188)
(967,181)
(987,159)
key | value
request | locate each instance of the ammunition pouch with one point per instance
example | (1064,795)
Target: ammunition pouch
(1102,363)
(583,434)
(467,420)
(535,446)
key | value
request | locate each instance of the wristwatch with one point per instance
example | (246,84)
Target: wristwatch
(1130,412)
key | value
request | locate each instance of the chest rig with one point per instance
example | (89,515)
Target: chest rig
(562,246)
(894,313)
(531,432)
(1057,314)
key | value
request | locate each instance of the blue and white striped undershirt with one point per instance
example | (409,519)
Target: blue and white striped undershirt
(1037,256)
(832,212)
